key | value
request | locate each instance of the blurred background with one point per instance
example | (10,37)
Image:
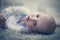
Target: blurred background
(52,7)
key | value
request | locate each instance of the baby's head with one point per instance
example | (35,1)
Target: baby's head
(40,22)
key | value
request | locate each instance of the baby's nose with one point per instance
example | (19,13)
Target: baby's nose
(33,19)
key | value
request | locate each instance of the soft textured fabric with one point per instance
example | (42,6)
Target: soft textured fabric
(14,15)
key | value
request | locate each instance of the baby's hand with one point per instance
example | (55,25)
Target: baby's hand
(2,21)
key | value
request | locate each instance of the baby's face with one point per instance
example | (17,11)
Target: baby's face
(32,20)
(42,22)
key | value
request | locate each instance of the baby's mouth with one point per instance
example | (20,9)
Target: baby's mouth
(28,18)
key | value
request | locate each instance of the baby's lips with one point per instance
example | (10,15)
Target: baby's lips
(25,19)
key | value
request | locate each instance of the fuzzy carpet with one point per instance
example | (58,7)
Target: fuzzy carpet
(14,35)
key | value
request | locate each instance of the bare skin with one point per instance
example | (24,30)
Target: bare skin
(40,22)
(2,21)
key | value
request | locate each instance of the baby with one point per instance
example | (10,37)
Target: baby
(12,16)
(19,18)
